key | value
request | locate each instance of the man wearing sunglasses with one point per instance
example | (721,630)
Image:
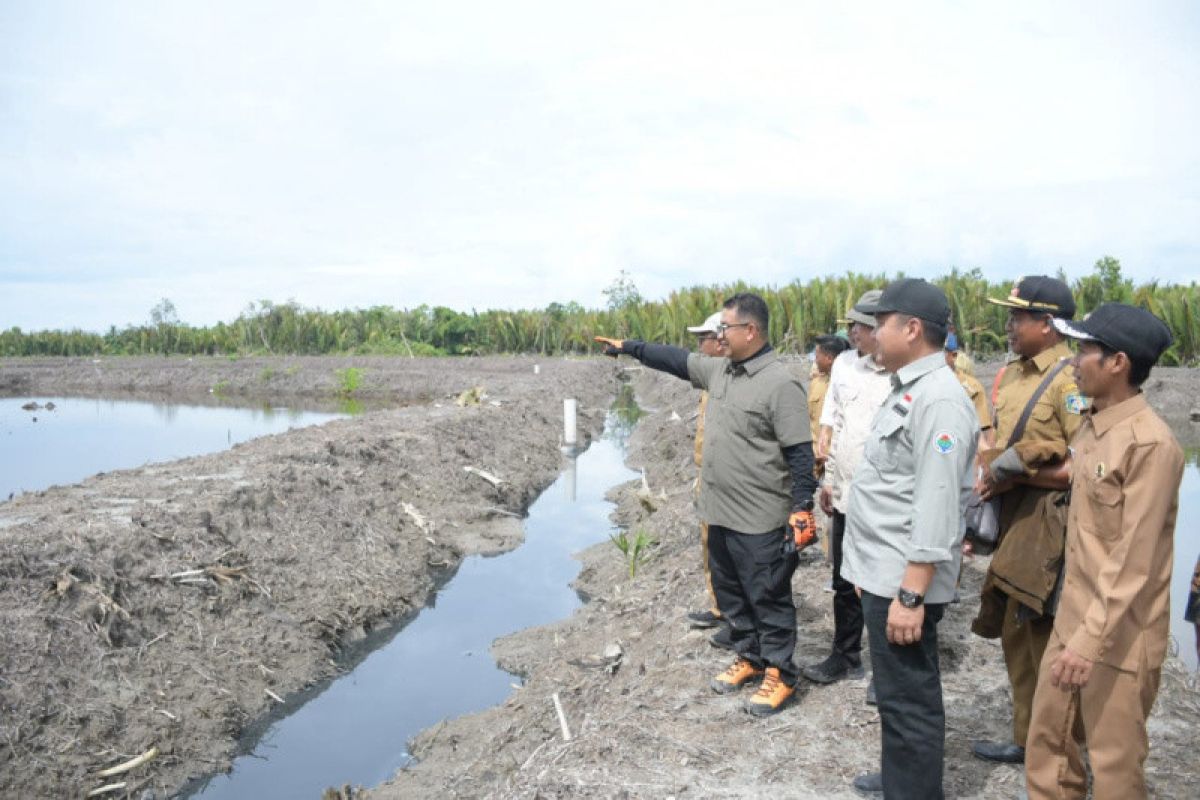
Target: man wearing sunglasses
(756,496)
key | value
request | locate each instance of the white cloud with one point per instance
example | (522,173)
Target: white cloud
(483,155)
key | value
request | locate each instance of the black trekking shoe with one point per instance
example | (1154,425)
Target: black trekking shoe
(703,619)
(833,669)
(1003,752)
(722,639)
(869,784)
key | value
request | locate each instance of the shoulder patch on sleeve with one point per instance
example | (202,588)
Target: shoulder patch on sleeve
(944,442)
(1075,403)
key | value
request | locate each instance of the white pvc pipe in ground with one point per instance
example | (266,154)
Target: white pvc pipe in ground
(570,432)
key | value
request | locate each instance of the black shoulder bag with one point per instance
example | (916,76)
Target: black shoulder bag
(982,517)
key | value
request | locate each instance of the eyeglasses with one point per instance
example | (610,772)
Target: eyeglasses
(725,326)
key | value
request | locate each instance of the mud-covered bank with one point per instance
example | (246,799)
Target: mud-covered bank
(649,727)
(167,607)
(317,381)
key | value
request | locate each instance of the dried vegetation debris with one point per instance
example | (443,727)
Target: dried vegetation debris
(210,589)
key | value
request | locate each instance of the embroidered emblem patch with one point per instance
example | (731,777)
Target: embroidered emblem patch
(944,442)
(1101,470)
(1076,403)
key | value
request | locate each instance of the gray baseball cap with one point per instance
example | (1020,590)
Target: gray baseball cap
(863,311)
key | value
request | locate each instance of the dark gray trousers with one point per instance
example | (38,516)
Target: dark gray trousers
(847,608)
(908,685)
(752,578)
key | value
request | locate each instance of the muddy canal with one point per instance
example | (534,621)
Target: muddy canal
(438,666)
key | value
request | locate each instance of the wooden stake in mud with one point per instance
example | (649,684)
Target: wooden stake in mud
(570,431)
(562,718)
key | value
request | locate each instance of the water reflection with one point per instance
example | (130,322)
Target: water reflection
(438,665)
(1187,548)
(64,440)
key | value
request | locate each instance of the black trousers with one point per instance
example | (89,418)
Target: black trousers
(847,608)
(752,578)
(908,686)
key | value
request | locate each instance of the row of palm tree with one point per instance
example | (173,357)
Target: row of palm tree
(799,312)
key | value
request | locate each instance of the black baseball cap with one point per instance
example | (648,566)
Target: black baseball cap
(1126,329)
(915,297)
(1039,293)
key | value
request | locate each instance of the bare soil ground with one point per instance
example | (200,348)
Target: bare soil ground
(287,551)
(169,606)
(649,727)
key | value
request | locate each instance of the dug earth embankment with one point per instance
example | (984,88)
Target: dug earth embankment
(646,725)
(173,607)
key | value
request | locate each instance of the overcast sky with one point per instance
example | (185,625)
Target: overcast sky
(488,154)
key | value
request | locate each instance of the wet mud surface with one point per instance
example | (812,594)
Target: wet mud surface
(176,607)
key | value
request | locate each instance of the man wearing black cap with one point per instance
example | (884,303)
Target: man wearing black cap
(1038,408)
(904,529)
(1101,668)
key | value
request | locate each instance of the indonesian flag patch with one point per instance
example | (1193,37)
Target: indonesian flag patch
(945,442)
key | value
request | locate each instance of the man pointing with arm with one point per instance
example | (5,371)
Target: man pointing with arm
(756,496)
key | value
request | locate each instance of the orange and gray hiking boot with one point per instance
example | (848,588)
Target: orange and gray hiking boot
(772,696)
(734,678)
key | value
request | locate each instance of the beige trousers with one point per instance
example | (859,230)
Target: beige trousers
(1023,644)
(1109,714)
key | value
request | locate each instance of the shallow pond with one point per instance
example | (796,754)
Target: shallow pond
(438,665)
(1187,549)
(79,437)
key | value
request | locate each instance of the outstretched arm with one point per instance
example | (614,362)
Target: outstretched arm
(662,357)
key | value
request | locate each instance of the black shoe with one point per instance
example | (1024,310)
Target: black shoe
(869,783)
(703,619)
(722,639)
(834,668)
(871,693)
(1004,752)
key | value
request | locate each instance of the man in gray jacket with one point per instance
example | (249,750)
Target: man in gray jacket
(904,530)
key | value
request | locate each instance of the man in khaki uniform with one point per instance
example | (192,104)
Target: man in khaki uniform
(1030,477)
(709,343)
(826,351)
(1101,669)
(973,388)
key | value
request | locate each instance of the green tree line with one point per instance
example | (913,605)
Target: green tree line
(799,310)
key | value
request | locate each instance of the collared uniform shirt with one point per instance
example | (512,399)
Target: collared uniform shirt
(818,388)
(755,409)
(911,487)
(863,387)
(699,448)
(1116,595)
(837,376)
(1056,416)
(978,397)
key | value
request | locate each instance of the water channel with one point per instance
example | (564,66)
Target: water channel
(67,439)
(438,665)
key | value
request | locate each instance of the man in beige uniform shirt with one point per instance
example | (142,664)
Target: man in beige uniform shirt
(1102,665)
(1029,475)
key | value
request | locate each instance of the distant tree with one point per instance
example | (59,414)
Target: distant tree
(622,293)
(1104,285)
(164,314)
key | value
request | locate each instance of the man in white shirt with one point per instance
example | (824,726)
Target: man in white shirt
(857,389)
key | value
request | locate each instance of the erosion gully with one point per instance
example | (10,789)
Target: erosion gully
(437,665)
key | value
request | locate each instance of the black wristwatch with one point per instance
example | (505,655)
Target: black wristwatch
(909,599)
